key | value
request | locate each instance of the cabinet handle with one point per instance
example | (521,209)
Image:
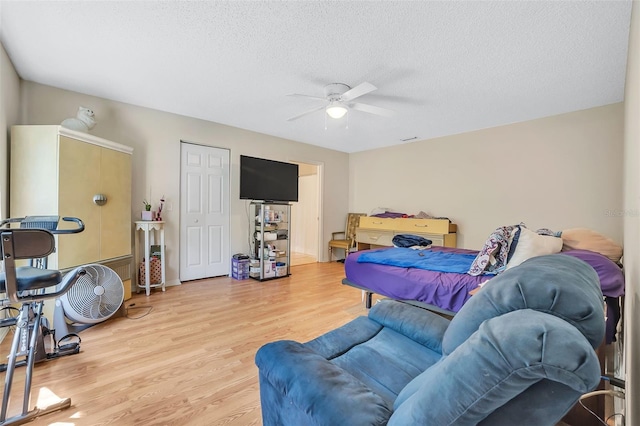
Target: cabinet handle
(376,223)
(100,199)
(420,226)
(374,238)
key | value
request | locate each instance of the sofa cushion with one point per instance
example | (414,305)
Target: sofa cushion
(556,284)
(387,362)
(418,324)
(402,337)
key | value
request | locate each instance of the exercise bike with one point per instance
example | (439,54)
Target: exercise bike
(30,286)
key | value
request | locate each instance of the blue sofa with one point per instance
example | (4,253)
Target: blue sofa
(521,351)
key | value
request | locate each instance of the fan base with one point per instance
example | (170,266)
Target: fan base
(335,90)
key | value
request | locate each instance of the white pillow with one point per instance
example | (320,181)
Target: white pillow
(531,245)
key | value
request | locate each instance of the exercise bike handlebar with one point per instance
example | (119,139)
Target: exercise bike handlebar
(78,228)
(37,221)
(11,220)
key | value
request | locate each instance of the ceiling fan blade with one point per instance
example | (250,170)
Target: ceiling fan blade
(295,117)
(359,90)
(298,95)
(372,109)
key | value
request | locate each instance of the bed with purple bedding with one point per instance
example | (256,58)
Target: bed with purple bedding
(447,292)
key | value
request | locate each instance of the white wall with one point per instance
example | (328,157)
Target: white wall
(9,113)
(155,137)
(557,172)
(631,222)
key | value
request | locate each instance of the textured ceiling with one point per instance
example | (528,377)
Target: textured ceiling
(443,67)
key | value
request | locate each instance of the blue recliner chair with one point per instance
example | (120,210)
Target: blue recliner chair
(521,351)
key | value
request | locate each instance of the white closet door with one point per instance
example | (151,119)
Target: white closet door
(204,212)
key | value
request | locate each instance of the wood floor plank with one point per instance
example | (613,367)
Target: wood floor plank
(186,356)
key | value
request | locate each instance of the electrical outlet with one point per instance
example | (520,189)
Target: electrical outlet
(169,206)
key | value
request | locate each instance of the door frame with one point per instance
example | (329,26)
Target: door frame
(320,171)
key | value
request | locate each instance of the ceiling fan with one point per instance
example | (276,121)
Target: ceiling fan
(338,99)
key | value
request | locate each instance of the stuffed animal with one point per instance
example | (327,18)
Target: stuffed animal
(82,122)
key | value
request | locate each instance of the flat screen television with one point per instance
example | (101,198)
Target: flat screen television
(268,180)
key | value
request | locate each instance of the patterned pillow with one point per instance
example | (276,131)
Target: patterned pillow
(496,252)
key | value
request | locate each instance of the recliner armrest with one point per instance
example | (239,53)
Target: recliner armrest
(340,340)
(325,392)
(420,325)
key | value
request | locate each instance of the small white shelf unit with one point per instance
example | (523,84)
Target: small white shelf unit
(147,228)
(270,240)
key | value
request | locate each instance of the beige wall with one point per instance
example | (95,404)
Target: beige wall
(155,137)
(557,172)
(9,113)
(631,222)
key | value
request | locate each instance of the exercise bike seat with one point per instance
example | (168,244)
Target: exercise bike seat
(30,278)
(19,244)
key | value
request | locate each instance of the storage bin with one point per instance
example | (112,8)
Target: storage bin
(281,269)
(155,272)
(240,269)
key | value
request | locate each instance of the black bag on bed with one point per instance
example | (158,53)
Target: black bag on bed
(408,240)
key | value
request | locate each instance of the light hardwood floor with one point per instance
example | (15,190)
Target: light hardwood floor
(190,359)
(302,259)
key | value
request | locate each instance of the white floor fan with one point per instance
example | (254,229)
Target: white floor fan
(94,298)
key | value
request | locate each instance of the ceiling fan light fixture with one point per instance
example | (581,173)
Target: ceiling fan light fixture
(336,110)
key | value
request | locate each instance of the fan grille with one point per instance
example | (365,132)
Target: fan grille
(95,296)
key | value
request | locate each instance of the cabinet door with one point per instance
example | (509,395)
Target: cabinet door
(78,180)
(115,183)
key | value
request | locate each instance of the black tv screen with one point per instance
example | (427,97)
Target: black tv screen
(268,180)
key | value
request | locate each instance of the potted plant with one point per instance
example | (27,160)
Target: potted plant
(147,214)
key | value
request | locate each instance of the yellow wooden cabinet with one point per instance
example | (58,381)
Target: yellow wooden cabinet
(57,171)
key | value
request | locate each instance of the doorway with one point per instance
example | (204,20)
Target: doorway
(305,216)
(204,211)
